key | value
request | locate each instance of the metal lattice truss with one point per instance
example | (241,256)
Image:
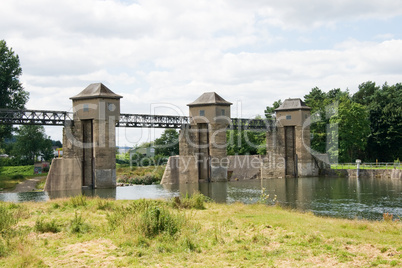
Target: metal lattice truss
(58,118)
(152,121)
(33,117)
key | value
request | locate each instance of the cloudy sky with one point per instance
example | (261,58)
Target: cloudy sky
(159,53)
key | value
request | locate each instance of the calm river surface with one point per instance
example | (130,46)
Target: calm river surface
(336,197)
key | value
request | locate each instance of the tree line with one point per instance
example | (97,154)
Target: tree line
(368,123)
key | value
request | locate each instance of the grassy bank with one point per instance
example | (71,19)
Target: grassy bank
(371,166)
(81,232)
(139,175)
(10,176)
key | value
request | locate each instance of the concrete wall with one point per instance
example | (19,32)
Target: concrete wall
(64,174)
(181,169)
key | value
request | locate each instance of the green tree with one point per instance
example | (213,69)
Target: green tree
(366,92)
(317,100)
(31,142)
(385,113)
(168,143)
(353,129)
(245,142)
(12,94)
(270,110)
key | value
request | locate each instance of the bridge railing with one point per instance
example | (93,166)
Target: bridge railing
(152,121)
(34,117)
(58,118)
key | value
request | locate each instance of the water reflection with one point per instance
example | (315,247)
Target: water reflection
(337,197)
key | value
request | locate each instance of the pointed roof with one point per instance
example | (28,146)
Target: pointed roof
(96,90)
(293,104)
(210,98)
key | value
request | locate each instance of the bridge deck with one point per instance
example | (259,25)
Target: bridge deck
(59,118)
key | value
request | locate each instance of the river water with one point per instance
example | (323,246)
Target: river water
(335,197)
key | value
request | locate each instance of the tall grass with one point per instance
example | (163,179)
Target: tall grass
(196,201)
(7,218)
(158,220)
(78,201)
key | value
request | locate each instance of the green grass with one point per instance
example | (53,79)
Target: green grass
(91,232)
(139,175)
(17,170)
(346,166)
(10,176)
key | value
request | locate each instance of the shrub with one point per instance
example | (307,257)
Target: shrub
(103,204)
(157,220)
(79,200)
(17,177)
(45,227)
(77,225)
(196,201)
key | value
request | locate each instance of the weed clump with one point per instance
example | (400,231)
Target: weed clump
(78,201)
(102,204)
(7,218)
(46,226)
(195,201)
(78,226)
(157,220)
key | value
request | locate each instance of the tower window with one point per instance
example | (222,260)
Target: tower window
(288,117)
(86,108)
(223,111)
(202,112)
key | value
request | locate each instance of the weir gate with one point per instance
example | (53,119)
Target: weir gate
(89,140)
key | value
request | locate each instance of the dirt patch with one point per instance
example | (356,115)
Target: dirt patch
(28,185)
(94,253)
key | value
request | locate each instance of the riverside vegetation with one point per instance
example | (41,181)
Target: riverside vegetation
(187,231)
(10,176)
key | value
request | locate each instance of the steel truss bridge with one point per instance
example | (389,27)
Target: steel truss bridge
(59,118)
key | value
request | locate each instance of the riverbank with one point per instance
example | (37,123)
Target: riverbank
(393,174)
(12,176)
(95,232)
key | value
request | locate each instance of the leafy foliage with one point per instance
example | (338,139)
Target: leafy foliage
(168,143)
(385,114)
(270,110)
(32,142)
(353,125)
(245,142)
(369,122)
(12,94)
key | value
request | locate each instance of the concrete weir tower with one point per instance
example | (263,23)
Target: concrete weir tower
(202,144)
(89,143)
(289,142)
